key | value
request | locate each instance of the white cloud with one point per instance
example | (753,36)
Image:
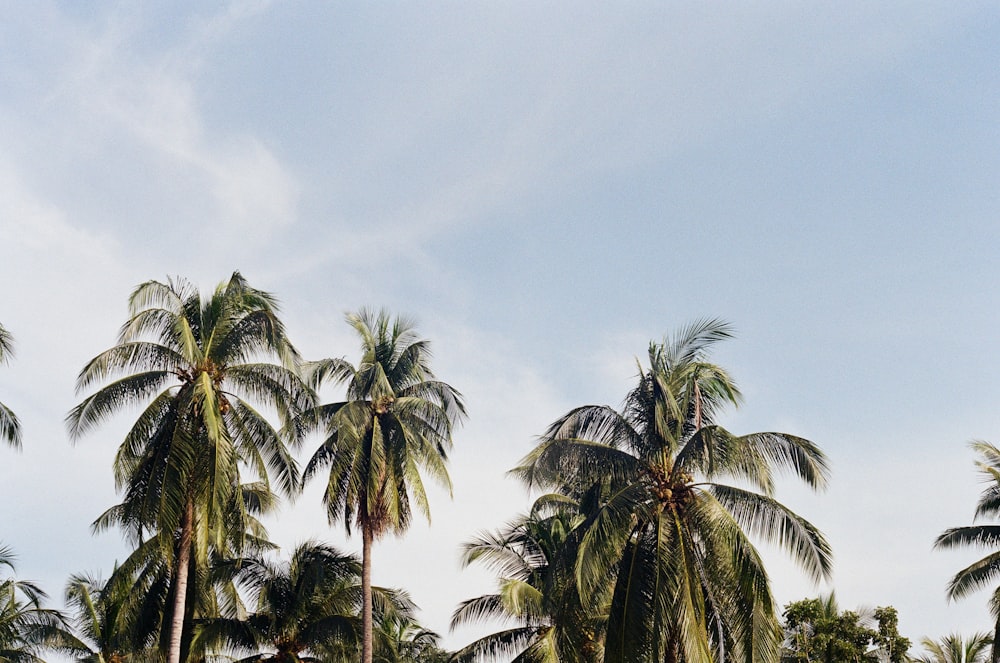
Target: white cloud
(62,284)
(149,105)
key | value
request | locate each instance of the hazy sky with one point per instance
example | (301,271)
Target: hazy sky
(545,187)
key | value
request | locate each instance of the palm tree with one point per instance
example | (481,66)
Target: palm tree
(395,422)
(26,628)
(105,629)
(666,537)
(306,610)
(534,556)
(954,648)
(983,573)
(193,363)
(402,640)
(10,427)
(146,579)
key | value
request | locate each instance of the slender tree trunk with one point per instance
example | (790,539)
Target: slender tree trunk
(366,594)
(995,647)
(181,575)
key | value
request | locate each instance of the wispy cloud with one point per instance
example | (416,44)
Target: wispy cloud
(151,101)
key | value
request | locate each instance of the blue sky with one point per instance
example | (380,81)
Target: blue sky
(546,187)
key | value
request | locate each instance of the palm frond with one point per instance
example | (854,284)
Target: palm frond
(977,536)
(976,576)
(503,645)
(562,461)
(100,406)
(773,522)
(10,427)
(479,609)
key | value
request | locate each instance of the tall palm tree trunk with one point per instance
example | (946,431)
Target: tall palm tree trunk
(180,586)
(366,594)
(995,647)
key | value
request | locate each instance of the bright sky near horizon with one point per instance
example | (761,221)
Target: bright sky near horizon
(545,187)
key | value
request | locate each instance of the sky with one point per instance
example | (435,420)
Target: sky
(545,188)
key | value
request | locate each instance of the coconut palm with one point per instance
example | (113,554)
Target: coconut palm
(955,648)
(402,640)
(395,422)
(10,427)
(26,628)
(104,628)
(197,365)
(667,538)
(305,610)
(146,578)
(985,572)
(534,557)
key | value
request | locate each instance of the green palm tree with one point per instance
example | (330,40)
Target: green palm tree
(666,537)
(402,640)
(104,629)
(955,648)
(10,427)
(985,572)
(534,556)
(149,585)
(305,610)
(26,628)
(197,365)
(395,422)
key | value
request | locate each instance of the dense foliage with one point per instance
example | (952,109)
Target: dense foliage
(537,590)
(640,550)
(817,631)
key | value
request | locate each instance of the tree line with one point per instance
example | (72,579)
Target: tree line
(638,549)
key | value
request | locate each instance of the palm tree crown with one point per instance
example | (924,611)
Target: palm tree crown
(26,628)
(664,536)
(395,422)
(305,609)
(104,617)
(985,572)
(533,556)
(954,648)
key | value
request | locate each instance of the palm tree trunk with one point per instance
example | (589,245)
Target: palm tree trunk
(366,594)
(995,647)
(180,586)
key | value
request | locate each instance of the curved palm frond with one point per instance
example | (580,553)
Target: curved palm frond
(502,645)
(478,609)
(10,426)
(768,519)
